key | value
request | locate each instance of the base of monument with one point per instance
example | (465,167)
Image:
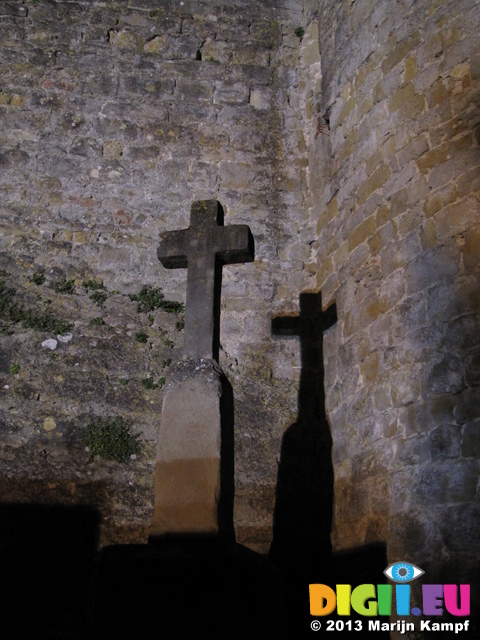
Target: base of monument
(187,588)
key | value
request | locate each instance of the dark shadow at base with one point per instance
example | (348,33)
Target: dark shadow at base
(181,589)
(46,560)
(354,567)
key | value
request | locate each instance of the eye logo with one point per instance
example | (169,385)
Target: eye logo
(403,572)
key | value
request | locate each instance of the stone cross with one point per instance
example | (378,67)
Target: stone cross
(194,466)
(203,248)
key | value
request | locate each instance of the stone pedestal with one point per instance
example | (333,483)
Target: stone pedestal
(194,466)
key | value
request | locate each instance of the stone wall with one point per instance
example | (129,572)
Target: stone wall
(345,134)
(398,249)
(114,118)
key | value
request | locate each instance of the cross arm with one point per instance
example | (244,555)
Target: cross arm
(239,240)
(172,249)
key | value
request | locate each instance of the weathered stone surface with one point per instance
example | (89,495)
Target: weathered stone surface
(203,249)
(410,338)
(116,117)
(187,470)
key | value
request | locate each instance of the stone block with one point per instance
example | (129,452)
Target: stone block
(467,406)
(457,218)
(440,199)
(362,315)
(341,255)
(364,230)
(414,150)
(173,47)
(428,235)
(123,39)
(413,451)
(187,470)
(453,168)
(437,265)
(436,94)
(411,111)
(374,182)
(471,249)
(471,440)
(346,109)
(226,93)
(309,48)
(405,386)
(469,182)
(400,52)
(381,238)
(362,74)
(251,54)
(349,146)
(430,50)
(444,376)
(365,107)
(383,401)
(400,97)
(329,288)
(369,368)
(197,91)
(112,150)
(216,51)
(373,161)
(398,203)
(458,525)
(260,99)
(236,175)
(415,418)
(432,158)
(445,442)
(411,69)
(418,190)
(462,481)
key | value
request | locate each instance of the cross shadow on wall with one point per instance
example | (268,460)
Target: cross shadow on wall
(304,495)
(302,519)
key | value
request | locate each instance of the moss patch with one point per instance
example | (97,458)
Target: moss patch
(150,298)
(110,438)
(14,313)
(64,286)
(38,278)
(148,383)
(99,297)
